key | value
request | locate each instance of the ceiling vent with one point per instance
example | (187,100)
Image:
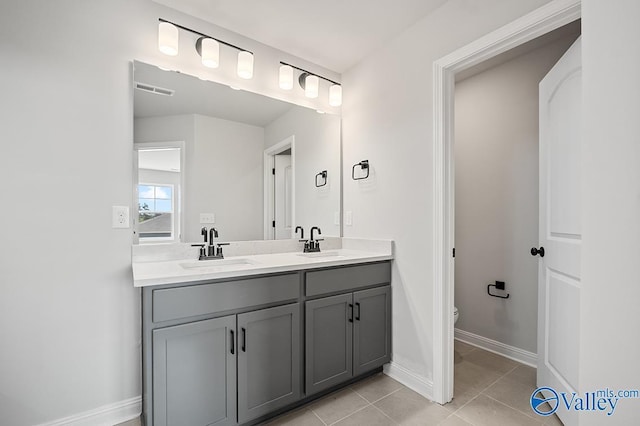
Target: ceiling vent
(154,89)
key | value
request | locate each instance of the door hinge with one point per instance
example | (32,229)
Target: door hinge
(273,223)
(273,171)
(454,252)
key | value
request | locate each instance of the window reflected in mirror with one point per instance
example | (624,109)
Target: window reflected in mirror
(158,194)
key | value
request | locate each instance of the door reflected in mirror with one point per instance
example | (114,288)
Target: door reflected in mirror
(247,162)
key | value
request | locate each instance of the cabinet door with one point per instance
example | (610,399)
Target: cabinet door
(371,328)
(268,360)
(328,342)
(194,374)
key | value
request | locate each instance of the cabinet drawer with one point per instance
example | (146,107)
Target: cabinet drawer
(182,302)
(347,279)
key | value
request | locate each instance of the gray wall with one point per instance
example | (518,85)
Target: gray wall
(496,184)
(223,171)
(387,118)
(317,142)
(231,154)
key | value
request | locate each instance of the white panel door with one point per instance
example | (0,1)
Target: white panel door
(560,229)
(283,197)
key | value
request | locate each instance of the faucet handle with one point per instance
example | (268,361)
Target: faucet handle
(219,249)
(203,251)
(203,232)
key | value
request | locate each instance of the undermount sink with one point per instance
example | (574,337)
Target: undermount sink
(321,254)
(217,263)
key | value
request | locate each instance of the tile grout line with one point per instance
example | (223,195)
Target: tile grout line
(351,414)
(508,406)
(514,408)
(379,399)
(314,413)
(462,418)
(484,389)
(391,393)
(385,414)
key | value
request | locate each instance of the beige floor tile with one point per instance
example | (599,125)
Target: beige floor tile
(460,399)
(513,392)
(491,361)
(410,408)
(462,347)
(301,417)
(524,374)
(337,405)
(485,411)
(454,420)
(132,422)
(369,416)
(469,376)
(552,420)
(376,387)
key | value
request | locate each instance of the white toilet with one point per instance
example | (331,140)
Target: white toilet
(455,315)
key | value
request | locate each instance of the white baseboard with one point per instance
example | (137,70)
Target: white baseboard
(107,415)
(410,379)
(511,352)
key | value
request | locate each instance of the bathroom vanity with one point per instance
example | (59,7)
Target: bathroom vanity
(238,342)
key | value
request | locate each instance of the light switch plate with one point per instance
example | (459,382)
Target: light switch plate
(207,218)
(348,218)
(120,216)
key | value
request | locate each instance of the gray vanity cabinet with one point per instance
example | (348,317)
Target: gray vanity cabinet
(194,374)
(328,342)
(346,334)
(229,352)
(268,360)
(371,329)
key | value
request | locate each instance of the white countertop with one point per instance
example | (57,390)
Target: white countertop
(150,272)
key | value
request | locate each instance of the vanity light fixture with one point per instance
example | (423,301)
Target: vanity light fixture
(210,52)
(286,77)
(245,64)
(310,82)
(335,95)
(207,47)
(311,86)
(168,38)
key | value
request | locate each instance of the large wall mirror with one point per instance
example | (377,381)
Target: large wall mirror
(207,155)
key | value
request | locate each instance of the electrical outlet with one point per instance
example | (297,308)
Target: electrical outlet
(348,218)
(120,216)
(336,218)
(207,218)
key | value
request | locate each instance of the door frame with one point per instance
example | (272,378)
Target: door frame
(269,164)
(535,24)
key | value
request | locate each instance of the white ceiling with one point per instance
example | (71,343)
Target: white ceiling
(335,34)
(195,96)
